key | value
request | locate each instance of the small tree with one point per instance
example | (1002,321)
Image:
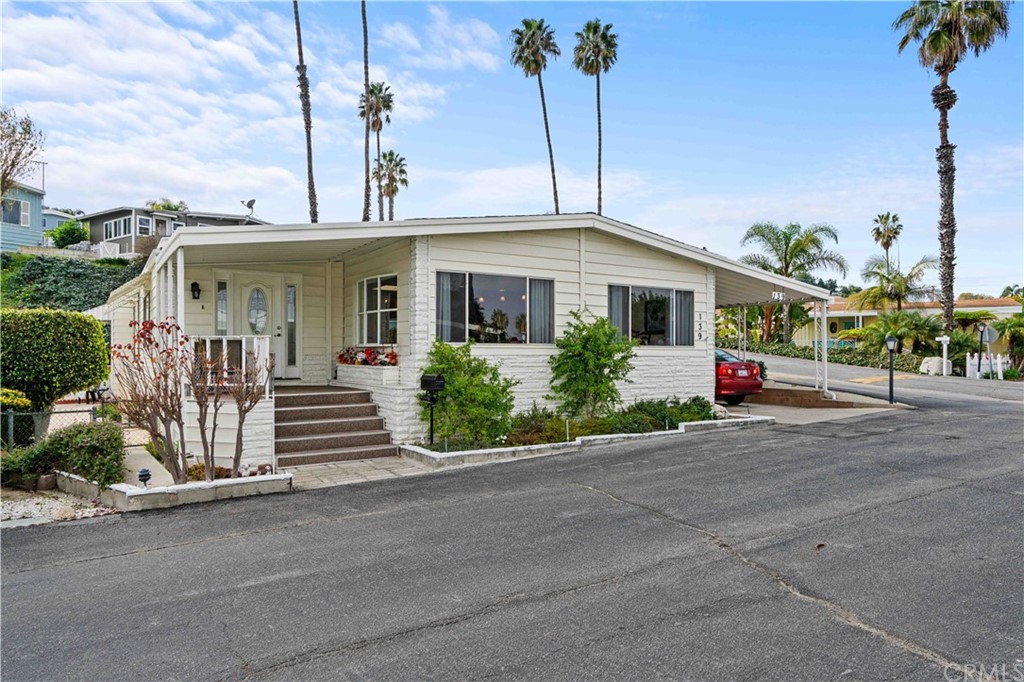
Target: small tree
(47,354)
(68,233)
(476,403)
(150,372)
(206,380)
(20,142)
(591,357)
(248,387)
(165,204)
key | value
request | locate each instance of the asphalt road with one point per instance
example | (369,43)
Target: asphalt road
(882,547)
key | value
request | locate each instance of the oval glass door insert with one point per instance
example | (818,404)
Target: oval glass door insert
(258,311)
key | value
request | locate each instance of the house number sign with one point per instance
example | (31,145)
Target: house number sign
(700,326)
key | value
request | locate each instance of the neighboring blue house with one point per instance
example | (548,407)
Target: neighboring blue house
(52,218)
(22,218)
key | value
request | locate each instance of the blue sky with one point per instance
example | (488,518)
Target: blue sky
(717,115)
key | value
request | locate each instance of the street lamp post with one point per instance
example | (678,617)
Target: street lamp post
(890,344)
(981,337)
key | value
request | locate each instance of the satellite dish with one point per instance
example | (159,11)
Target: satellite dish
(249,204)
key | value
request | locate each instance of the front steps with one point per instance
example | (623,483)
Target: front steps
(319,424)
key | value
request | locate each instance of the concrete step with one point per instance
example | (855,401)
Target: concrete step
(315,427)
(336,455)
(318,398)
(334,441)
(308,412)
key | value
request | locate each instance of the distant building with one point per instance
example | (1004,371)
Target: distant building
(52,218)
(124,225)
(22,218)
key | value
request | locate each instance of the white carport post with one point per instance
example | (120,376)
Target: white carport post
(821,370)
(742,341)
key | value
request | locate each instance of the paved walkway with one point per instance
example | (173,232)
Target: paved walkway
(356,471)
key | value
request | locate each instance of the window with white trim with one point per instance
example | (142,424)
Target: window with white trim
(120,227)
(175,225)
(221,308)
(15,212)
(377,310)
(144,225)
(651,315)
(495,308)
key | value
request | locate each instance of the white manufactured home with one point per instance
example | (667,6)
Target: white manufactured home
(306,293)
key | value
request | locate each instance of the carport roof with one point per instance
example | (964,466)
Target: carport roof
(735,282)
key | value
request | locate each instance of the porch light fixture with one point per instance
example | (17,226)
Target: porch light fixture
(890,344)
(196,291)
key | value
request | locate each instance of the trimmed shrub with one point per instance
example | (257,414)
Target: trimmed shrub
(47,354)
(93,451)
(841,356)
(70,232)
(476,403)
(591,358)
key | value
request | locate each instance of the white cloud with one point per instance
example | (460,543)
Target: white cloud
(447,43)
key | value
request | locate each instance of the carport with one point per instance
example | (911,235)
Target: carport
(744,286)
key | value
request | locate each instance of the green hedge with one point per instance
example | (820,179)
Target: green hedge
(47,354)
(94,451)
(841,356)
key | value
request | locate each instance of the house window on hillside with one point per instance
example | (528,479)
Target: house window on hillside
(495,308)
(145,225)
(653,316)
(377,316)
(121,227)
(15,212)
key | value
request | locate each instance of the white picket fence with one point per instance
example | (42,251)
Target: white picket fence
(990,364)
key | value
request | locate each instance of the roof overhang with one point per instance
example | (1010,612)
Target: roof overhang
(735,282)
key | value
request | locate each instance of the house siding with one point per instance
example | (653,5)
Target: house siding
(13,235)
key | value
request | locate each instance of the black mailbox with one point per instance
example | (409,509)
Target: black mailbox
(432,383)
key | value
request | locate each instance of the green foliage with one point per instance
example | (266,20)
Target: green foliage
(68,233)
(1011,374)
(763,367)
(165,204)
(197,472)
(910,328)
(476,403)
(47,354)
(26,460)
(94,451)
(109,411)
(591,357)
(66,283)
(861,357)
(15,401)
(1012,330)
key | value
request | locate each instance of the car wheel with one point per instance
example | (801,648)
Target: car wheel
(733,399)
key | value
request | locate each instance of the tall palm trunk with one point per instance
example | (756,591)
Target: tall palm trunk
(307,117)
(547,133)
(598,142)
(391,208)
(366,99)
(380,187)
(943,98)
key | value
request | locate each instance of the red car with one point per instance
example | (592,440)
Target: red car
(734,378)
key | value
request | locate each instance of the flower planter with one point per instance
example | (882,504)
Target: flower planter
(367,376)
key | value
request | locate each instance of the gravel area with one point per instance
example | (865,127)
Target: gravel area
(47,506)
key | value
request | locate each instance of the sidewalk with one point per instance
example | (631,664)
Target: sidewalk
(313,476)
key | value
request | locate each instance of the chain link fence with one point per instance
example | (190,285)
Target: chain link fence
(25,428)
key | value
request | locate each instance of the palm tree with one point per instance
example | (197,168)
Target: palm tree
(965,319)
(307,117)
(790,251)
(596,51)
(366,96)
(947,30)
(378,107)
(886,230)
(892,286)
(391,172)
(533,43)
(909,328)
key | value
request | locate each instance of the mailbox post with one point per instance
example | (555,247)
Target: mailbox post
(944,340)
(431,384)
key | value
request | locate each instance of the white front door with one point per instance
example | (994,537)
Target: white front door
(270,305)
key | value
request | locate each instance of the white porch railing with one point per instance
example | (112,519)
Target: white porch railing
(236,349)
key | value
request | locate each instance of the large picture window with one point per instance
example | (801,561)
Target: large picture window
(378,310)
(112,229)
(495,308)
(651,315)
